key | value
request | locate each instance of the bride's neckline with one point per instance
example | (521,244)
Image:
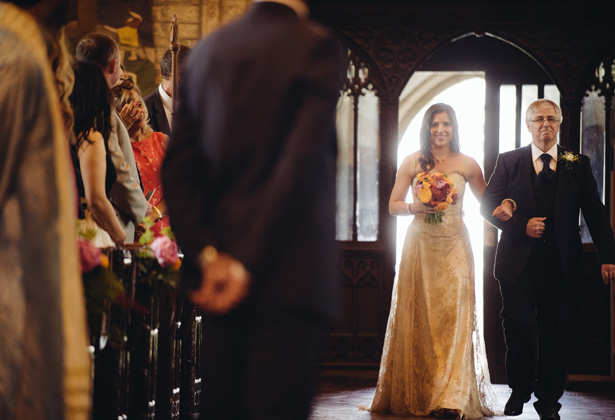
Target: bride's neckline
(446,173)
(449,154)
(442,159)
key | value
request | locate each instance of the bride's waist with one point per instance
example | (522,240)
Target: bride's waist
(449,225)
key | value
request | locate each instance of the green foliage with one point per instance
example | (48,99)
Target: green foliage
(88,233)
(149,271)
(161,279)
(146,238)
(102,290)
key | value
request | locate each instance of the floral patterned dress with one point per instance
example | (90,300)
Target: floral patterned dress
(149,154)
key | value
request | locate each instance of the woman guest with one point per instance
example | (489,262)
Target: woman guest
(433,361)
(149,147)
(91,101)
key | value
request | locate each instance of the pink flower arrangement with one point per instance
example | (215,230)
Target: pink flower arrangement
(165,250)
(435,190)
(89,255)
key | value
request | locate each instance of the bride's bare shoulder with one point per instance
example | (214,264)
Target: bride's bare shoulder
(468,167)
(465,160)
(411,163)
(412,158)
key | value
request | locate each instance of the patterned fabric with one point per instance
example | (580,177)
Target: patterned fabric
(433,356)
(149,154)
(44,360)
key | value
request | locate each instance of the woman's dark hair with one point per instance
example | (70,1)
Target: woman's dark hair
(91,101)
(426,160)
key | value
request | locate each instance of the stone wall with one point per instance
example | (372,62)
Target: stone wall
(196,19)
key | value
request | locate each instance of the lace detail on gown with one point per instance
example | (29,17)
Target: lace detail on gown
(434,356)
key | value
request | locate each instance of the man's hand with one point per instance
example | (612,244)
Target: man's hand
(504,211)
(225,283)
(535,227)
(608,273)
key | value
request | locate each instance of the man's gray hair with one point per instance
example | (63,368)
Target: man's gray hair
(542,103)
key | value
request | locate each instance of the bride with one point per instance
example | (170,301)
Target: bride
(433,361)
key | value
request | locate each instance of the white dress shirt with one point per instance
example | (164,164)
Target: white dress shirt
(167,103)
(536,152)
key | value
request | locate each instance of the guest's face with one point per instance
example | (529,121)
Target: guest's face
(140,122)
(441,130)
(114,77)
(544,126)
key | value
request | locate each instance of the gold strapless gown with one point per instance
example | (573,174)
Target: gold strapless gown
(433,355)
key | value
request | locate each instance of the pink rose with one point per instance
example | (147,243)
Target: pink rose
(89,255)
(440,183)
(165,250)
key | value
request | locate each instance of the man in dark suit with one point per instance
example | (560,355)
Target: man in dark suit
(539,260)
(249,178)
(159,103)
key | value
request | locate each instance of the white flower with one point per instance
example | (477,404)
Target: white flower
(568,158)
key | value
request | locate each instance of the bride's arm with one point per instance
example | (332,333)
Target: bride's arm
(397,202)
(93,170)
(474,175)
(476,180)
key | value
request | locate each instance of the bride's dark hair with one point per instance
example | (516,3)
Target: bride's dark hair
(426,160)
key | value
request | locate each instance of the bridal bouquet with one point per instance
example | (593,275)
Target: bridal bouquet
(435,190)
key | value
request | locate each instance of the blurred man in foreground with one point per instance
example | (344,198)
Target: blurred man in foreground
(249,179)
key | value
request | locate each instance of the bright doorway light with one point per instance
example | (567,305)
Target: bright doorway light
(468,100)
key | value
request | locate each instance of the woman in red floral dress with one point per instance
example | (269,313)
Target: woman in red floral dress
(149,148)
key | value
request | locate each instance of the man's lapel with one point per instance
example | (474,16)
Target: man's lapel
(526,175)
(564,179)
(526,167)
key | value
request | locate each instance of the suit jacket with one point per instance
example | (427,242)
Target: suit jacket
(126,193)
(576,191)
(157,116)
(251,163)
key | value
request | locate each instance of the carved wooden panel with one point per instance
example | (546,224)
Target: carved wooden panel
(590,348)
(399,37)
(357,337)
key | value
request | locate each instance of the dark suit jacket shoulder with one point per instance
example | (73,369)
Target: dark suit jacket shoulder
(157,116)
(251,164)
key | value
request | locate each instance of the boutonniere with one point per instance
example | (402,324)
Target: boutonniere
(568,159)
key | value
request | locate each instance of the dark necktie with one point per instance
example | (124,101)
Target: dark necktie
(546,174)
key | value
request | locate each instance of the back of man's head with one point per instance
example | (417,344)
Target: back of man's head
(97,48)
(166,63)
